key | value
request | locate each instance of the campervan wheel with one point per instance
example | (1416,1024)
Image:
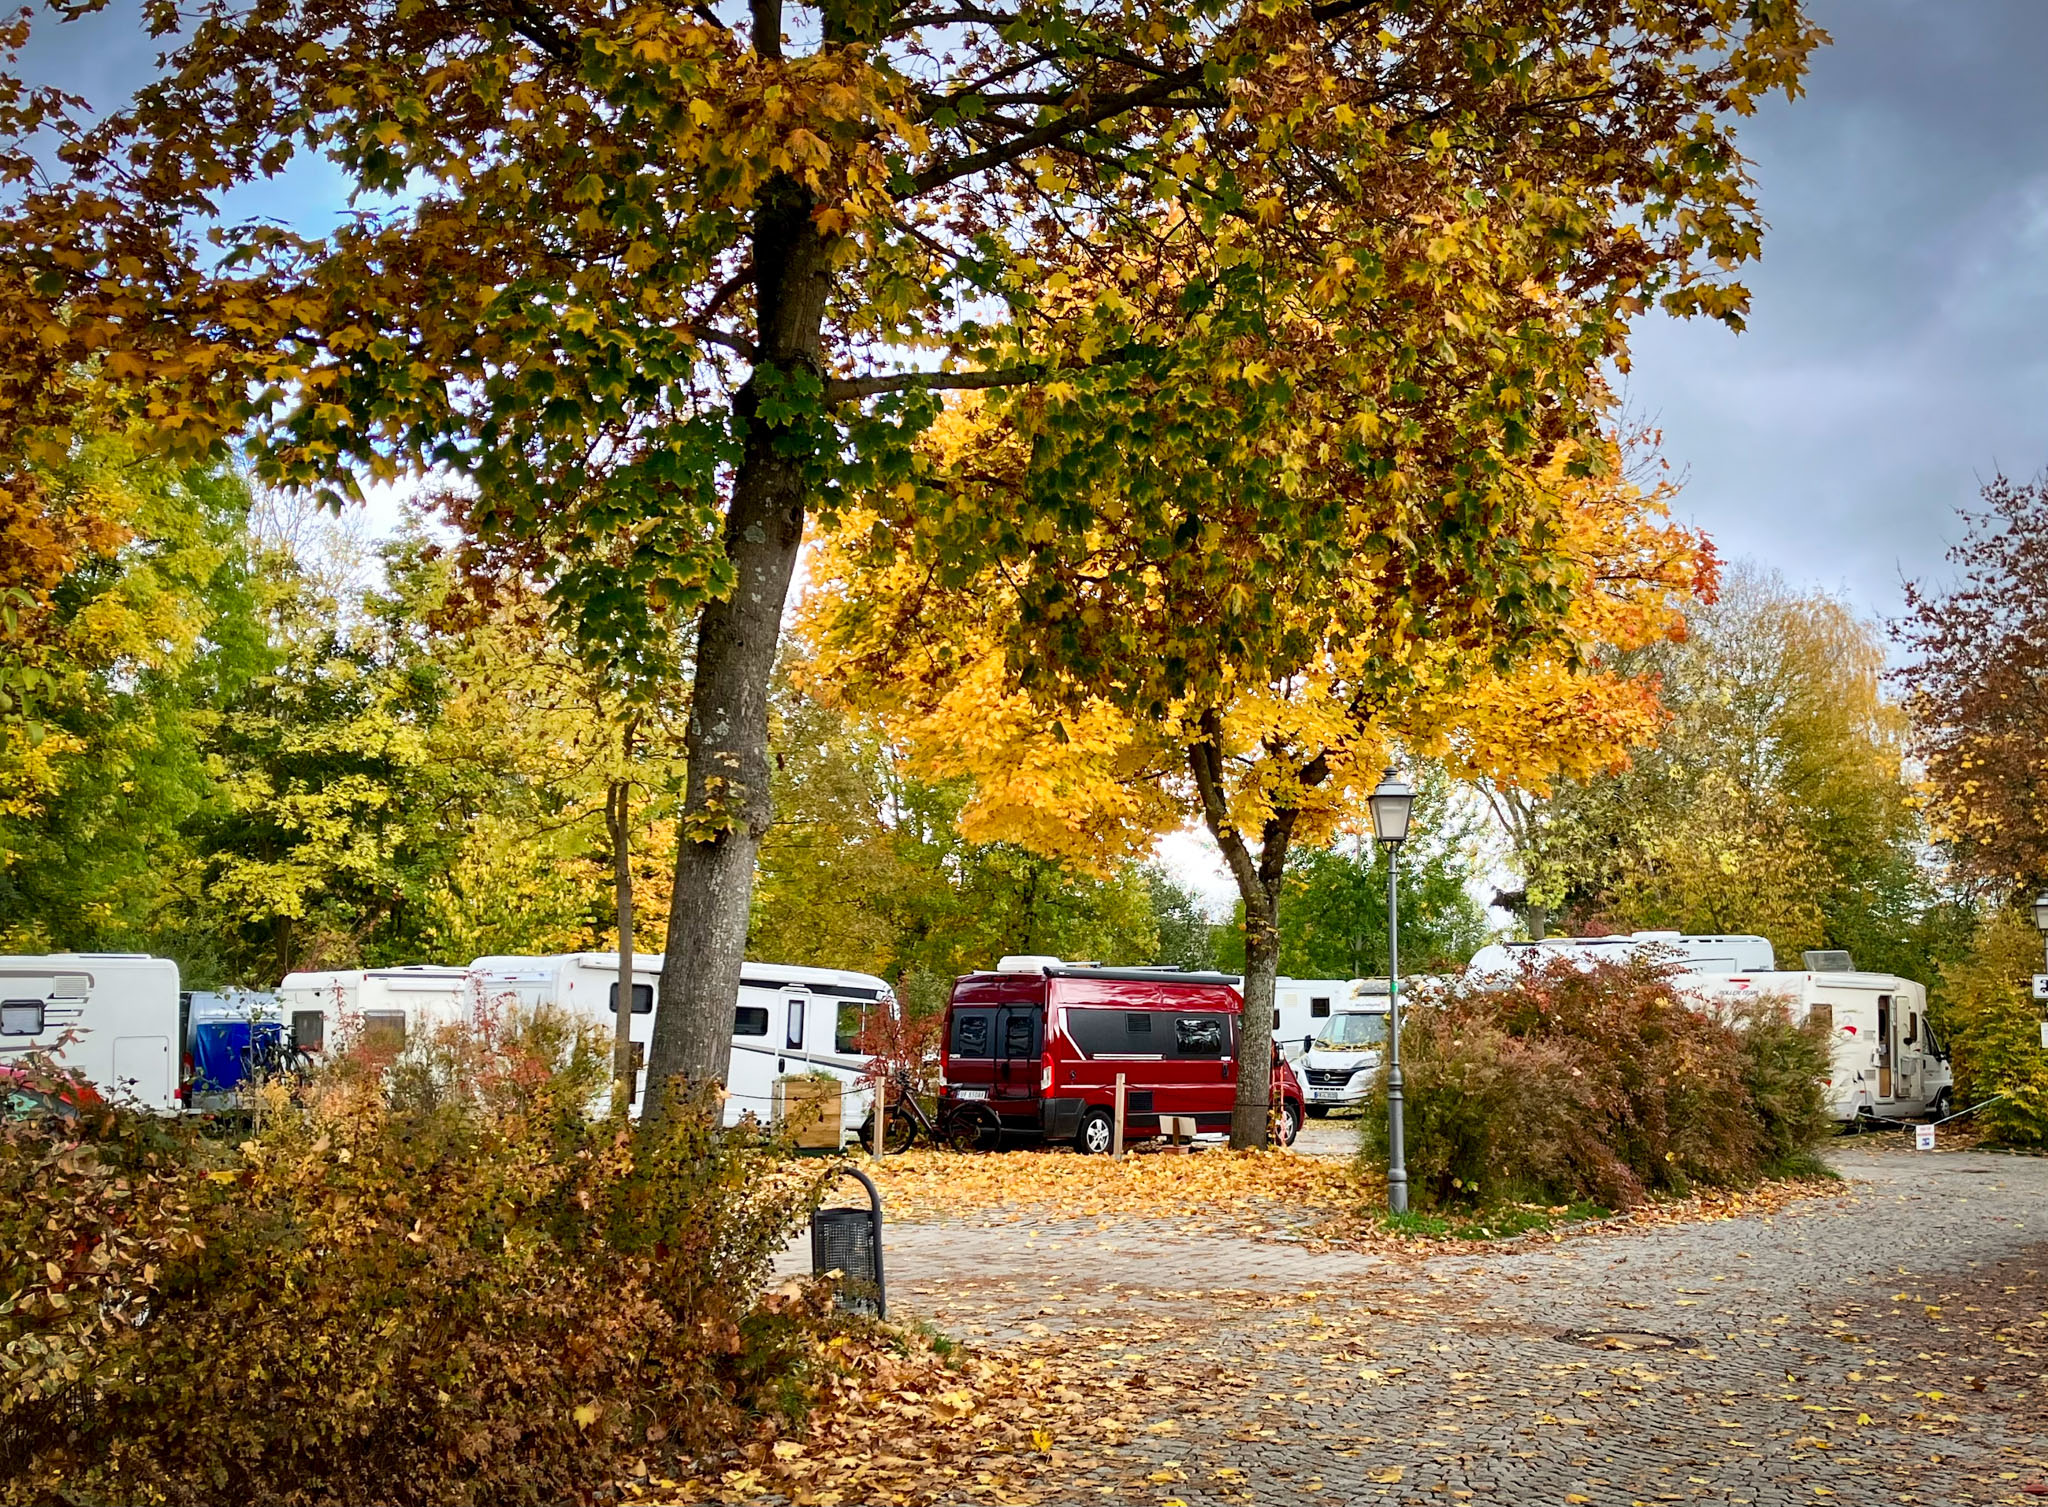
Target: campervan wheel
(974,1127)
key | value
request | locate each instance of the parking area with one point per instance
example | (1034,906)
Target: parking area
(1882,1344)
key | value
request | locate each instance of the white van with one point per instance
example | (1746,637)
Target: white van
(1694,953)
(788,1021)
(390,1004)
(1300,1006)
(1887,1062)
(1343,1060)
(122,1008)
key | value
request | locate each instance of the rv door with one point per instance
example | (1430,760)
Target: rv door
(1017,1050)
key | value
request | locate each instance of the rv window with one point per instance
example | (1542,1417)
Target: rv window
(970,1034)
(1198,1036)
(1020,1035)
(1318,1009)
(750,1020)
(1276,1022)
(1912,1028)
(795,1036)
(643,999)
(309,1030)
(21,1017)
(1138,1022)
(1822,1015)
(384,1030)
(853,1021)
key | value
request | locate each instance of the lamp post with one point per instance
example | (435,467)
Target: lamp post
(2041,920)
(1390,805)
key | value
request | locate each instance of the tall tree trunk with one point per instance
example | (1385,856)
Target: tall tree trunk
(1258,885)
(726,805)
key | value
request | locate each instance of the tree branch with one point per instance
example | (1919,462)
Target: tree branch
(839,389)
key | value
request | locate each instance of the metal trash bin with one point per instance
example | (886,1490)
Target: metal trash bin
(849,1241)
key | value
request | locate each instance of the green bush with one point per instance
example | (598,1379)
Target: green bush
(1598,1085)
(1994,1030)
(436,1281)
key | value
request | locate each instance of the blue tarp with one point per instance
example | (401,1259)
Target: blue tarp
(220,1051)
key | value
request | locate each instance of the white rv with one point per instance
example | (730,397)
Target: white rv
(389,1004)
(120,1008)
(1343,1061)
(1300,1006)
(1887,1063)
(1704,954)
(788,1022)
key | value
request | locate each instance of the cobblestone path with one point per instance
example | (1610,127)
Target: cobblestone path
(1882,1345)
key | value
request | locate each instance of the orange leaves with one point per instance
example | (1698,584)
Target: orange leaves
(1212,1188)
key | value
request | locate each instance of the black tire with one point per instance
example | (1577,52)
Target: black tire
(1318,1111)
(1944,1104)
(1097,1134)
(1290,1122)
(899,1133)
(974,1127)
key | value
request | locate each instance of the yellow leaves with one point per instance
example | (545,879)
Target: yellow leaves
(1387,1476)
(585,1414)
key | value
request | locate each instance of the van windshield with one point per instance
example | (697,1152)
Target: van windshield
(1353,1033)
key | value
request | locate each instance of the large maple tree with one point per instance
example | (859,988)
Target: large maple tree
(648,285)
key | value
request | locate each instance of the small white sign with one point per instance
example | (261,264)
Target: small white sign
(2044,1033)
(2041,986)
(1923,1137)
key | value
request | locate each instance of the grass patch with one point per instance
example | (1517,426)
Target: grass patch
(1500,1222)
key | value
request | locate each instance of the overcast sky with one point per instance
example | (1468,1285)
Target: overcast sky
(1895,355)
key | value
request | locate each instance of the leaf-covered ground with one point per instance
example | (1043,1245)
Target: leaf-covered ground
(1836,1347)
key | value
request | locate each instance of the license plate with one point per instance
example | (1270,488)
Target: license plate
(970,1093)
(1326,1093)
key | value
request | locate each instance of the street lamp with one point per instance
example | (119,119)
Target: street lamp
(2041,920)
(1390,805)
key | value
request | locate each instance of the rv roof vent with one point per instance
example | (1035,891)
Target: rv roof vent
(1830,960)
(1026,962)
(1656,936)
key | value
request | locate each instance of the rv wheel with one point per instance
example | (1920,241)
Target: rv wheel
(1318,1111)
(1290,1122)
(1096,1134)
(1944,1105)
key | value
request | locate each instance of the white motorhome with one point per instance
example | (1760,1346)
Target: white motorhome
(788,1021)
(1343,1061)
(1300,1006)
(390,1004)
(1693,953)
(1887,1062)
(120,1009)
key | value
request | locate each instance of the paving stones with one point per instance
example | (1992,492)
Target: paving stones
(1884,1345)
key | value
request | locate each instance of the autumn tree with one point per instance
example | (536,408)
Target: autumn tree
(654,283)
(1101,686)
(1976,684)
(1773,801)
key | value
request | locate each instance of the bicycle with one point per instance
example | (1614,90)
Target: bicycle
(961,1127)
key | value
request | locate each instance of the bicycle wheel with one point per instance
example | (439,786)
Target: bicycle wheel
(900,1131)
(974,1127)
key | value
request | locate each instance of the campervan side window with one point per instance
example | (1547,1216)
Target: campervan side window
(847,1031)
(795,1037)
(1318,1008)
(643,999)
(750,1020)
(384,1029)
(1912,1028)
(1198,1036)
(21,1017)
(309,1030)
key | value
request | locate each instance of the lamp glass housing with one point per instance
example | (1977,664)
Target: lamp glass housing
(2041,912)
(1390,805)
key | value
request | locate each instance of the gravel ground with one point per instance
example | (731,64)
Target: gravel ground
(1883,1345)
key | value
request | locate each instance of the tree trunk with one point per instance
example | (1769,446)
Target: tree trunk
(1258,884)
(1252,1114)
(726,805)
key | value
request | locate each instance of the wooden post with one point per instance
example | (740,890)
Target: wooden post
(881,1113)
(1116,1143)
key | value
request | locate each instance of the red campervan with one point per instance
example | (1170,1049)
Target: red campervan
(1041,1042)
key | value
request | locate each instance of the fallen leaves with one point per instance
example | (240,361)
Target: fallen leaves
(1250,1192)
